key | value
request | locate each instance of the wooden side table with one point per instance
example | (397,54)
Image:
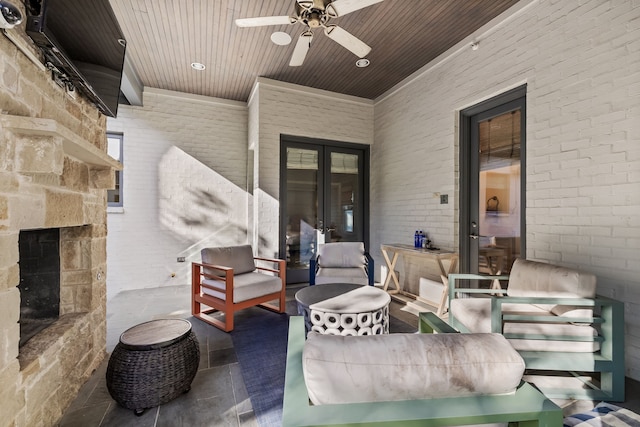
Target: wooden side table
(153,363)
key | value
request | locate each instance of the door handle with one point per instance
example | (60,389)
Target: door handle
(474,227)
(329,230)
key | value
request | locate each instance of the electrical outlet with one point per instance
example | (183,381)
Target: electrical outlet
(181,259)
(444,199)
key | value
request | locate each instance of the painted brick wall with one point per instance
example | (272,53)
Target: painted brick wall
(294,110)
(581,62)
(185,187)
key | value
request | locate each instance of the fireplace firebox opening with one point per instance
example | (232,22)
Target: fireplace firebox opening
(39,252)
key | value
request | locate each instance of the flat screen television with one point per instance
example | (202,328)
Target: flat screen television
(83,46)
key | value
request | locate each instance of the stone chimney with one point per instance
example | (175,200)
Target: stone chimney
(54,174)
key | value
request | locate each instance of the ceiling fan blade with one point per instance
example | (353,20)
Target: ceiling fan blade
(347,40)
(301,49)
(261,21)
(342,7)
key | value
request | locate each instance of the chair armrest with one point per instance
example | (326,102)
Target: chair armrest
(313,265)
(429,322)
(228,271)
(370,268)
(197,273)
(281,265)
(465,276)
(213,266)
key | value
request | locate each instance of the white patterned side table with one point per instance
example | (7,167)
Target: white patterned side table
(344,309)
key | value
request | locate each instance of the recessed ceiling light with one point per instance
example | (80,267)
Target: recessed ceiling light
(361,63)
(198,66)
(280,38)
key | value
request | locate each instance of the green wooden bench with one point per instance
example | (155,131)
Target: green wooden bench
(526,407)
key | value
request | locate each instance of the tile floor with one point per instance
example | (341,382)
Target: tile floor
(218,396)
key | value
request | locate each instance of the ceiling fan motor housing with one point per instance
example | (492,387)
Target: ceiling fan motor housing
(313,13)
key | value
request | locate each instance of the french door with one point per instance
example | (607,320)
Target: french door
(323,198)
(492,184)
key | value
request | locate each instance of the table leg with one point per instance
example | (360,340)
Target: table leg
(495,271)
(391,274)
(444,277)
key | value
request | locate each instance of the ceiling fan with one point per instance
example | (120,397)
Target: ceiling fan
(315,14)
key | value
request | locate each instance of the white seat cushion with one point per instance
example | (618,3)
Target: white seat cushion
(245,286)
(392,367)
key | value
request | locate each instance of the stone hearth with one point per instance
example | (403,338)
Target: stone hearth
(52,177)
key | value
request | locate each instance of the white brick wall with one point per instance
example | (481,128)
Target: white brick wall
(294,110)
(581,62)
(185,172)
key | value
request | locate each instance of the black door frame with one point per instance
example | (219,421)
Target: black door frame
(469,164)
(302,142)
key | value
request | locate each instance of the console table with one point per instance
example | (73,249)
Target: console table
(391,254)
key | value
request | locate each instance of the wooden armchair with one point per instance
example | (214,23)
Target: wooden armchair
(553,318)
(228,279)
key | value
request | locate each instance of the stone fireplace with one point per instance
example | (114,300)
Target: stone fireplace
(52,178)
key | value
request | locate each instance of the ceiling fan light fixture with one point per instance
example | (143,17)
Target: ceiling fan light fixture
(362,63)
(280,38)
(198,66)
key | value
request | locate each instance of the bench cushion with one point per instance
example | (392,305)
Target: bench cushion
(393,367)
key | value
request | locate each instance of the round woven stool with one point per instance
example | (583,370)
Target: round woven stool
(153,363)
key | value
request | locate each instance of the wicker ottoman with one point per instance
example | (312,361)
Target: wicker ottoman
(153,363)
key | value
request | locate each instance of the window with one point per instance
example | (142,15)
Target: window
(114,149)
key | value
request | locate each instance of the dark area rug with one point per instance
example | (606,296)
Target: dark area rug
(260,341)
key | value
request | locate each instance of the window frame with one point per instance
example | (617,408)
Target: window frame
(119,173)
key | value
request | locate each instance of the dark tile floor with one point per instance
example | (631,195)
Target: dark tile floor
(218,396)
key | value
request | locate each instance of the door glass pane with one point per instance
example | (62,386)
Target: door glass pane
(345,204)
(499,207)
(302,206)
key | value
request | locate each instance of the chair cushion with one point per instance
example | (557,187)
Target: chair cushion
(391,367)
(240,258)
(245,286)
(475,315)
(536,279)
(341,254)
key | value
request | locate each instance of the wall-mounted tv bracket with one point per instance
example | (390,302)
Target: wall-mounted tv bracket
(61,78)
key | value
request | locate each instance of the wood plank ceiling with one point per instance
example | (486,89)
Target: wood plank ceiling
(165,36)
